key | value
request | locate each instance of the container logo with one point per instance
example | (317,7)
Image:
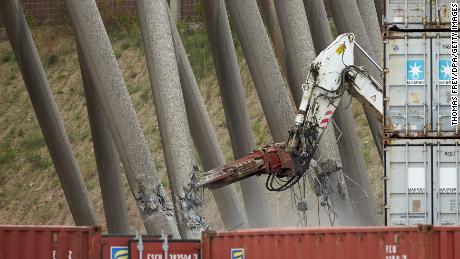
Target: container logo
(445,71)
(415,72)
(118,252)
(237,253)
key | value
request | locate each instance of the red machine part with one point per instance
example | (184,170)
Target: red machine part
(271,159)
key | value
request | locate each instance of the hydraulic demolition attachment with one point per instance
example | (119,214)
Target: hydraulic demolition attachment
(331,75)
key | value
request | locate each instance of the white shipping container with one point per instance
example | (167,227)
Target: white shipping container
(418,14)
(421,182)
(417,84)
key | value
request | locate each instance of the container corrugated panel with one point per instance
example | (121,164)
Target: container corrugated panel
(117,245)
(418,14)
(407,186)
(331,243)
(417,85)
(176,249)
(421,182)
(446,178)
(32,242)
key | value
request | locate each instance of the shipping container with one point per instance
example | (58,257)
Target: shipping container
(117,246)
(418,14)
(417,85)
(421,242)
(421,182)
(159,249)
(32,242)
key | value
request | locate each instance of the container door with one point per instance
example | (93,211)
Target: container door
(446,181)
(408,182)
(407,13)
(441,83)
(407,85)
(441,11)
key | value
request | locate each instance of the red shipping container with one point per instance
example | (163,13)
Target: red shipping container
(423,242)
(117,245)
(177,249)
(49,242)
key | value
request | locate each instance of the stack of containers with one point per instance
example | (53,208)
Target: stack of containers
(421,147)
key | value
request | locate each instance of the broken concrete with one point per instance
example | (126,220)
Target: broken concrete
(47,113)
(107,159)
(153,204)
(171,115)
(234,102)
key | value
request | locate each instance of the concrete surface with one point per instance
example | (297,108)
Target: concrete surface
(205,138)
(235,106)
(154,206)
(300,51)
(107,159)
(172,118)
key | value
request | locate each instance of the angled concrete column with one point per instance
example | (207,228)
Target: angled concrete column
(302,47)
(300,51)
(47,113)
(234,102)
(107,159)
(368,12)
(205,138)
(379,9)
(268,10)
(154,206)
(263,67)
(171,115)
(272,93)
(175,8)
(348,19)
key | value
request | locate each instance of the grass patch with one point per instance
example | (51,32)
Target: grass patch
(7,155)
(38,161)
(45,213)
(8,57)
(125,45)
(33,141)
(117,53)
(52,60)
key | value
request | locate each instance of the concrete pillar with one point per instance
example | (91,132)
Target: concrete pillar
(348,19)
(300,51)
(171,115)
(368,12)
(273,27)
(205,138)
(154,206)
(175,8)
(369,15)
(47,113)
(107,159)
(379,9)
(322,37)
(263,67)
(234,102)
